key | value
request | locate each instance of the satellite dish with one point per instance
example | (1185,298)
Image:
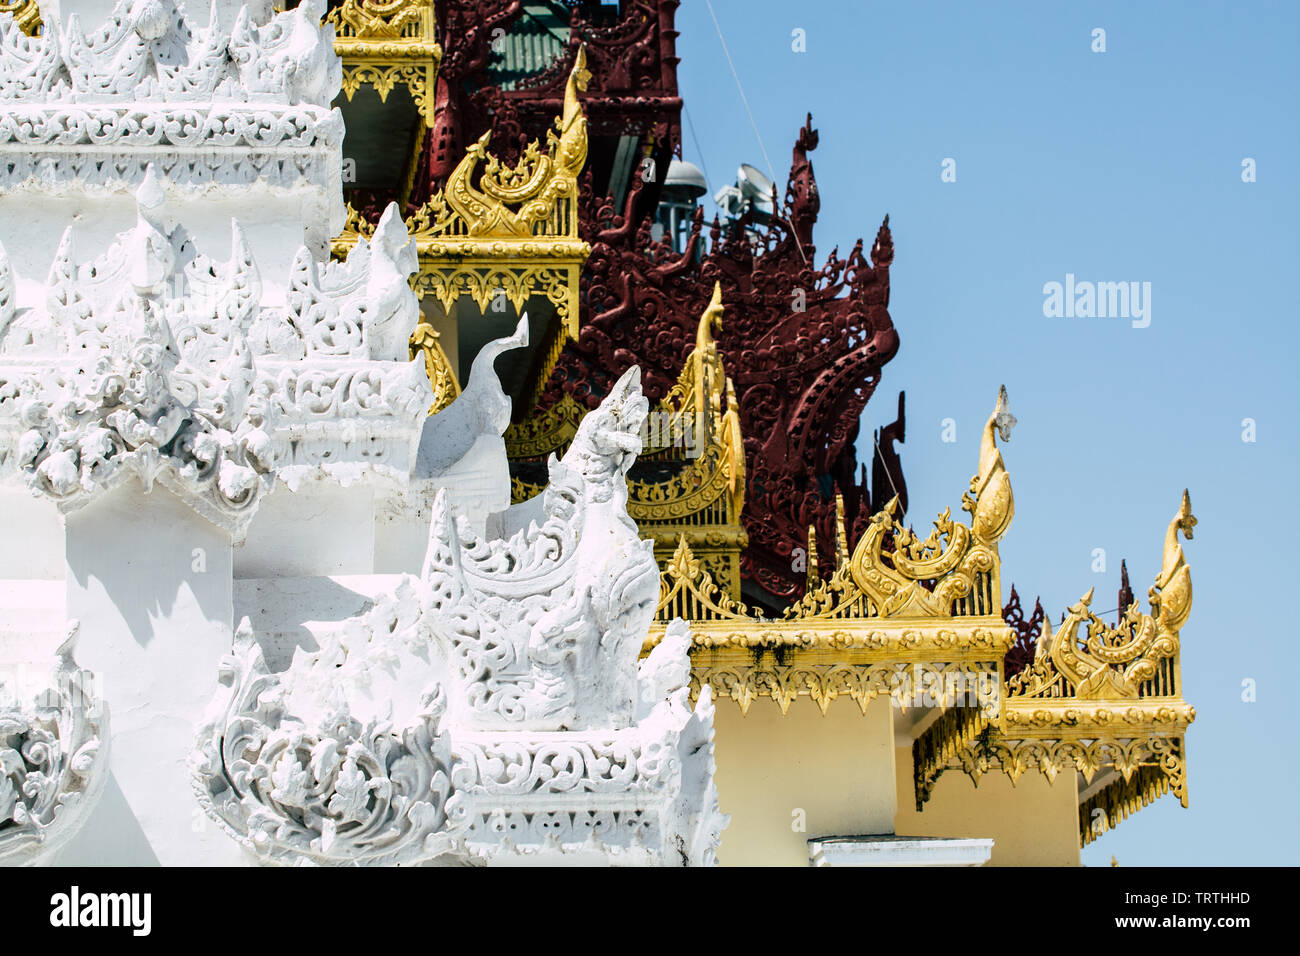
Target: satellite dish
(752,193)
(756,188)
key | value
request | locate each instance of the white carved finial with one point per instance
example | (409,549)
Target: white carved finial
(152,258)
(150,196)
(151,18)
(394,238)
(461,447)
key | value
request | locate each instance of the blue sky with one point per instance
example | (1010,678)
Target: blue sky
(1117,166)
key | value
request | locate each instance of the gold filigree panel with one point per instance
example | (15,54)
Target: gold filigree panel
(952,575)
(529,208)
(823,677)
(1162,770)
(426,341)
(1141,769)
(1096,699)
(517,279)
(533,201)
(1138,658)
(955,571)
(383,44)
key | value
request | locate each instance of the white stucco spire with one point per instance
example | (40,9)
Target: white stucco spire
(150,253)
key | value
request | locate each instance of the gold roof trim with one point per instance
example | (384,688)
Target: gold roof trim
(386,43)
(823,675)
(718,621)
(697,395)
(717,476)
(1104,699)
(897,602)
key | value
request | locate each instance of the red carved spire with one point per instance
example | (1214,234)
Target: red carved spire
(803,344)
(1021,654)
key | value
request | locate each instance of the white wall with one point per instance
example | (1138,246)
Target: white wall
(152,581)
(319,530)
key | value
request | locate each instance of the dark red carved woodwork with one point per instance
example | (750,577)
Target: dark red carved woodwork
(1125,596)
(633,86)
(633,64)
(466,29)
(803,344)
(801,196)
(1021,654)
(886,467)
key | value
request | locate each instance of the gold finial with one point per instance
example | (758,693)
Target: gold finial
(579,77)
(706,350)
(1184,521)
(712,317)
(814,578)
(1001,421)
(989,501)
(841,533)
(1171,596)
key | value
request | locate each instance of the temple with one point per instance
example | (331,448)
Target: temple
(399,469)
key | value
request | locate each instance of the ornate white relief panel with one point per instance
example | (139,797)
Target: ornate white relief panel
(156,362)
(53,757)
(493,706)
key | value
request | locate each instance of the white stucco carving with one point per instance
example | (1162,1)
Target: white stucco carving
(90,105)
(149,51)
(489,708)
(155,362)
(53,751)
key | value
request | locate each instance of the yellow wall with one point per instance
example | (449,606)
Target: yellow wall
(1033,823)
(838,769)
